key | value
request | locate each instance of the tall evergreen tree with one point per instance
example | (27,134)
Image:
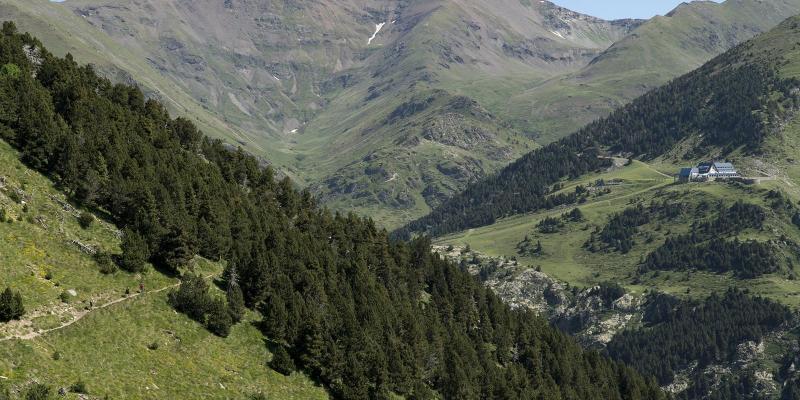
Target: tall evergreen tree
(135,251)
(234,296)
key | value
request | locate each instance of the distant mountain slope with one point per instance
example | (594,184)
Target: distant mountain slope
(733,104)
(385,106)
(317,88)
(657,51)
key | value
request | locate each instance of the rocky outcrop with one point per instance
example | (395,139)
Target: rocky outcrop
(585,313)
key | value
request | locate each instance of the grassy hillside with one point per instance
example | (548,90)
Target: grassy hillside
(566,258)
(572,262)
(100,335)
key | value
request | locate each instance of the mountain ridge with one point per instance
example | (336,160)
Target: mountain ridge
(302,86)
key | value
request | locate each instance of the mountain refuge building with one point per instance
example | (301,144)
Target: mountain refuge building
(708,171)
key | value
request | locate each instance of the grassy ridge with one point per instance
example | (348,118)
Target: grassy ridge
(657,51)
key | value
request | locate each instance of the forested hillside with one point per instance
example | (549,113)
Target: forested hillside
(678,334)
(731,103)
(366,316)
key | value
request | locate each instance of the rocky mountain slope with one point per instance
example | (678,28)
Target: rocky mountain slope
(556,266)
(659,50)
(385,106)
(624,220)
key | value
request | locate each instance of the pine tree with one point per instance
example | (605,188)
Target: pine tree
(11,306)
(274,311)
(235,297)
(218,318)
(282,362)
(176,250)
(134,251)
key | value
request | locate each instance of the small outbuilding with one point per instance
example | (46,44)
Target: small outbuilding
(688,174)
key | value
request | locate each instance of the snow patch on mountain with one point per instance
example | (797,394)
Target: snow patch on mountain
(378,28)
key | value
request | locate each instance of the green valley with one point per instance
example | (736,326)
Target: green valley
(602,213)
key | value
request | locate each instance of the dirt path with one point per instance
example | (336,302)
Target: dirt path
(78,315)
(650,167)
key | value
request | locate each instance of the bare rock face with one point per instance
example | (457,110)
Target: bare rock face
(34,55)
(452,130)
(532,290)
(592,319)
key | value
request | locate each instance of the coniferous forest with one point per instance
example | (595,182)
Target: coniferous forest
(707,247)
(366,316)
(678,334)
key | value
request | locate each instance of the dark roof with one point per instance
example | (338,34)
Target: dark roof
(703,168)
(687,172)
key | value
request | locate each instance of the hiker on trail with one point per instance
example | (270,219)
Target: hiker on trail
(141,287)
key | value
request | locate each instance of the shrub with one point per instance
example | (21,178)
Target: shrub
(192,298)
(64,296)
(282,362)
(56,356)
(610,292)
(576,215)
(85,220)
(105,263)
(153,346)
(10,70)
(11,306)
(79,387)
(15,196)
(37,391)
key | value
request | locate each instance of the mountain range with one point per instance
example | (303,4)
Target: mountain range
(388,107)
(528,154)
